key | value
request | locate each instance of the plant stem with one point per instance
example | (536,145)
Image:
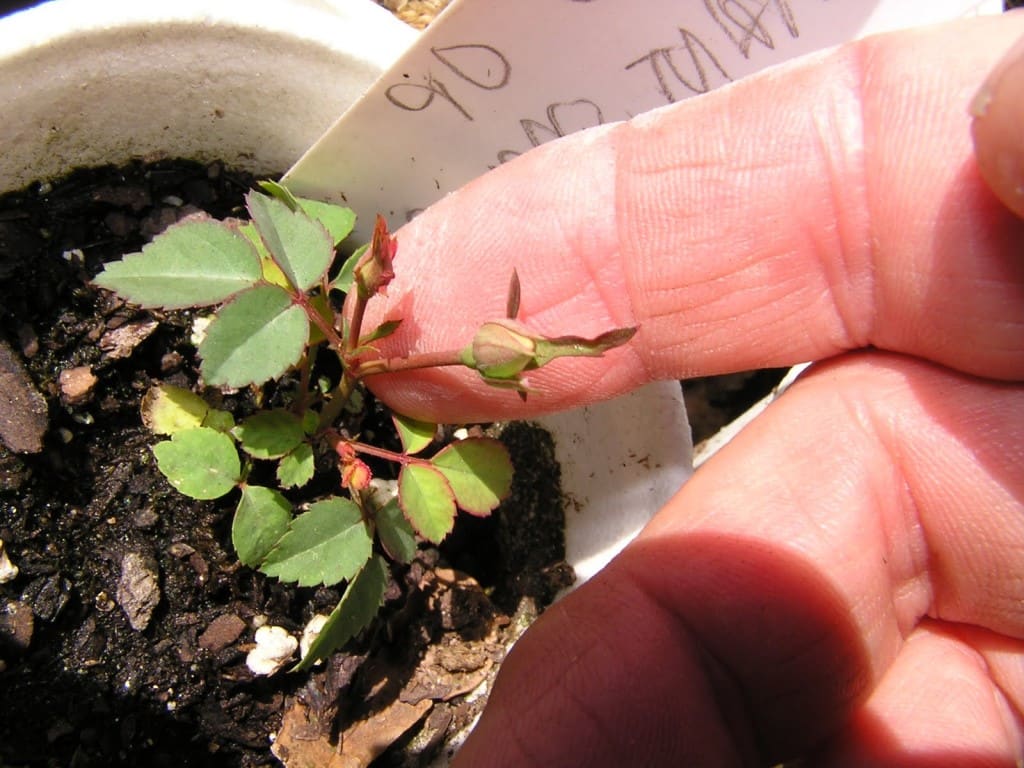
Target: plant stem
(384,453)
(341,393)
(334,438)
(332,410)
(339,396)
(356,324)
(409,362)
(334,340)
(305,376)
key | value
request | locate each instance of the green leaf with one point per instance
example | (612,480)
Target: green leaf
(281,192)
(427,501)
(395,532)
(325,545)
(337,220)
(194,263)
(222,421)
(347,276)
(299,245)
(362,599)
(310,421)
(261,519)
(356,402)
(415,435)
(382,331)
(200,462)
(296,468)
(167,409)
(248,230)
(271,272)
(576,346)
(258,336)
(479,471)
(269,434)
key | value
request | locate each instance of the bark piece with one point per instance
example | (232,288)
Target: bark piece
(360,744)
(16,627)
(23,414)
(221,632)
(120,342)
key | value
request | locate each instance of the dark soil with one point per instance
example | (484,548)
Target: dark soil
(91,673)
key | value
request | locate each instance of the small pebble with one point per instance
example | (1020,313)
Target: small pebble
(103,602)
(120,224)
(138,590)
(76,385)
(28,340)
(274,646)
(180,549)
(171,362)
(145,518)
(310,633)
(8,570)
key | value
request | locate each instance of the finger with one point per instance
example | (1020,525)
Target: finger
(826,206)
(789,570)
(952,697)
(998,109)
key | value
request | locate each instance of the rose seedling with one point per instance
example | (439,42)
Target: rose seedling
(282,313)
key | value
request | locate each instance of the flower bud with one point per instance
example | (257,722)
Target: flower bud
(374,270)
(502,349)
(356,475)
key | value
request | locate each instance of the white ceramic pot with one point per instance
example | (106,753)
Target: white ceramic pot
(250,83)
(254,85)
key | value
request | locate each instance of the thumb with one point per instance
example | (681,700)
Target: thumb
(828,205)
(998,109)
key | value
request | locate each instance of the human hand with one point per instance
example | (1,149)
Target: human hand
(844,580)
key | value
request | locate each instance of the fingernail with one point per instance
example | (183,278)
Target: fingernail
(1012,60)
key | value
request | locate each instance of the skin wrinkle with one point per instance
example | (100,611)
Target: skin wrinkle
(744,172)
(599,729)
(1011,716)
(971,224)
(523,740)
(522,743)
(996,657)
(843,158)
(952,572)
(604,651)
(863,419)
(912,589)
(733,700)
(901,567)
(940,561)
(975,659)
(638,306)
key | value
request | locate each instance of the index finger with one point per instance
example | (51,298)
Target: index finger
(827,205)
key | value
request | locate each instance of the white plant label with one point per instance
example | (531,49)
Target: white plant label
(489,80)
